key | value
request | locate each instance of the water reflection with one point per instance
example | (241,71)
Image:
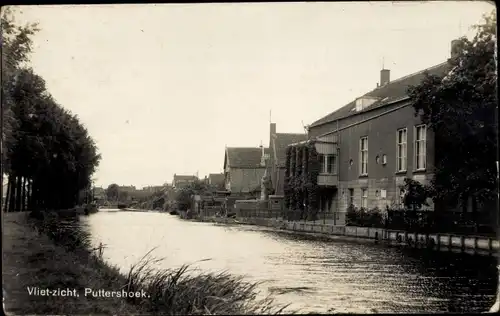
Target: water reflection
(314,274)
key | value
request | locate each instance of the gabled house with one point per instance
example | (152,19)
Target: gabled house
(244,168)
(278,143)
(216,180)
(370,145)
(182,181)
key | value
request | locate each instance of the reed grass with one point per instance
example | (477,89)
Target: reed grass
(181,291)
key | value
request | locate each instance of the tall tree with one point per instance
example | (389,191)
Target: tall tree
(461,109)
(46,148)
(112,192)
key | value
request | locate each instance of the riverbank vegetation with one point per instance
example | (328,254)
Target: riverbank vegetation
(179,291)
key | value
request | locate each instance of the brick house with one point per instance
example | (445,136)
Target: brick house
(369,146)
(244,168)
(278,143)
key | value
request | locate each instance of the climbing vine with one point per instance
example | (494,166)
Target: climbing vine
(312,180)
(287,187)
(301,176)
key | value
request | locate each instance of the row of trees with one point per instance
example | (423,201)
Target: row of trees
(47,153)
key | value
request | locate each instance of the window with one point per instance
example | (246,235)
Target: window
(350,200)
(420,147)
(364,198)
(327,163)
(330,164)
(384,159)
(401,149)
(321,159)
(383,194)
(363,153)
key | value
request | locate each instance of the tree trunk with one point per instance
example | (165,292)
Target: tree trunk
(23,191)
(29,194)
(12,197)
(7,197)
(19,188)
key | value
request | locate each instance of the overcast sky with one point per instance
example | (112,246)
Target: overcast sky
(164,88)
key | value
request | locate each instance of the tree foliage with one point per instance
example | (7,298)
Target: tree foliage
(112,192)
(47,153)
(461,109)
(416,194)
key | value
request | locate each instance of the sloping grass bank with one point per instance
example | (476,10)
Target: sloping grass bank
(52,252)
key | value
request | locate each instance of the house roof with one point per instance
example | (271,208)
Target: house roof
(244,157)
(216,177)
(281,141)
(393,91)
(183,177)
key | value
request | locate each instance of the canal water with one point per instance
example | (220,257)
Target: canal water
(310,273)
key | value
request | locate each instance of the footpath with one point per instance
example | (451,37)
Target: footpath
(470,244)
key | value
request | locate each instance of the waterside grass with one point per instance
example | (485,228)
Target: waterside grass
(59,254)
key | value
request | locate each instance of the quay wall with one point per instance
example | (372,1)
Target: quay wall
(474,244)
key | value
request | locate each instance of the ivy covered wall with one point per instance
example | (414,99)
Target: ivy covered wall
(301,179)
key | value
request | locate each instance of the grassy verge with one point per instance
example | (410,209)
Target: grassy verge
(51,252)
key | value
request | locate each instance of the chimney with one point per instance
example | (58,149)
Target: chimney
(385,77)
(455,48)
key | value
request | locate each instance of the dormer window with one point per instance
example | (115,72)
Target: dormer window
(364,102)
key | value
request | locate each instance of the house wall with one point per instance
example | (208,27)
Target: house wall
(280,177)
(244,180)
(382,133)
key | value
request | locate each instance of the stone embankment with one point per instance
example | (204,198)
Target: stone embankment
(470,244)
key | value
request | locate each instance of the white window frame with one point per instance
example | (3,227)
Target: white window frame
(364,198)
(363,156)
(324,170)
(422,145)
(401,157)
(350,196)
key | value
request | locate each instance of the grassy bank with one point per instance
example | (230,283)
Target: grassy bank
(51,252)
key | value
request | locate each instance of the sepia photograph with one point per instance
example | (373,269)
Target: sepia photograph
(264,158)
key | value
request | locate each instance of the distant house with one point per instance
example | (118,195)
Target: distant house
(127,188)
(216,180)
(244,168)
(182,181)
(278,143)
(154,188)
(99,193)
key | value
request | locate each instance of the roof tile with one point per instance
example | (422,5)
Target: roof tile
(245,157)
(282,141)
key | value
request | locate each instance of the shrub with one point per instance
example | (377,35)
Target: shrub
(364,218)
